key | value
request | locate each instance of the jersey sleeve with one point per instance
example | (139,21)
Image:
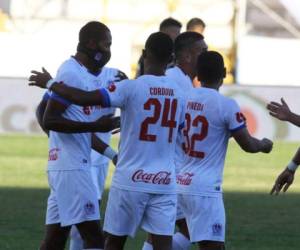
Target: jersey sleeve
(234,118)
(46,96)
(117,94)
(69,78)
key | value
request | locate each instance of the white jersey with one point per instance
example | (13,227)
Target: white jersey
(151,113)
(184,82)
(210,120)
(107,77)
(72,151)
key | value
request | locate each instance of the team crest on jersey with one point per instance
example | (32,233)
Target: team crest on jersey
(217,229)
(89,208)
(111,87)
(87,110)
(53,154)
(240,117)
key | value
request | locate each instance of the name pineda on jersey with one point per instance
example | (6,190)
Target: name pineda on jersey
(195,106)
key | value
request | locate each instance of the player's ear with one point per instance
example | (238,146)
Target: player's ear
(224,72)
(144,53)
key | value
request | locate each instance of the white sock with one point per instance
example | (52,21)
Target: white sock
(76,243)
(180,242)
(147,246)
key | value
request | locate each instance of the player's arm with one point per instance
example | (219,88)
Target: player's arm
(286,178)
(236,123)
(54,120)
(39,113)
(104,149)
(74,95)
(249,143)
(282,112)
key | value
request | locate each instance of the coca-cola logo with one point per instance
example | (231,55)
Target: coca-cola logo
(160,178)
(184,179)
(53,154)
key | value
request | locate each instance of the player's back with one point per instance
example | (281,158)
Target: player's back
(150,118)
(210,119)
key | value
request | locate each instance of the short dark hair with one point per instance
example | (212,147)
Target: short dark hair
(195,22)
(185,40)
(92,30)
(210,67)
(160,46)
(169,22)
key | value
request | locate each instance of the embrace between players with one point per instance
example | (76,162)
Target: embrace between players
(173,143)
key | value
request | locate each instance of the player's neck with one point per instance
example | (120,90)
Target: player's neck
(86,62)
(154,70)
(214,86)
(186,70)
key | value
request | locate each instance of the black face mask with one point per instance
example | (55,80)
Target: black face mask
(99,57)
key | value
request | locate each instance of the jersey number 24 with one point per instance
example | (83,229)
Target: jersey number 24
(168,109)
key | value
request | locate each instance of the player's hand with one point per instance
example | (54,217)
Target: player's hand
(284,180)
(267,145)
(107,123)
(115,160)
(39,79)
(279,111)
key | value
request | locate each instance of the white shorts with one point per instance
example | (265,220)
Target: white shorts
(127,210)
(205,217)
(72,199)
(99,174)
(179,212)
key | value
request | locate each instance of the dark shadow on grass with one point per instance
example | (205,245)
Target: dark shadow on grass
(22,216)
(254,220)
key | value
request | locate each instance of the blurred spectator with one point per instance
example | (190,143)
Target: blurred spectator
(169,26)
(196,25)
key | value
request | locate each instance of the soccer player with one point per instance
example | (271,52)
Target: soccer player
(102,153)
(143,190)
(210,120)
(73,198)
(196,25)
(187,47)
(169,26)
(282,112)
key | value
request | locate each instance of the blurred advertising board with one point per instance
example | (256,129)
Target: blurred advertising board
(18,104)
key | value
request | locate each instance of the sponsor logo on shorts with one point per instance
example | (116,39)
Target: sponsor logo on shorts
(217,229)
(184,179)
(53,154)
(160,178)
(89,208)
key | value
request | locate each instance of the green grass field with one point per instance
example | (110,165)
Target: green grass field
(255,220)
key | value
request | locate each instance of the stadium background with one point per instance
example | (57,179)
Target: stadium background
(260,40)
